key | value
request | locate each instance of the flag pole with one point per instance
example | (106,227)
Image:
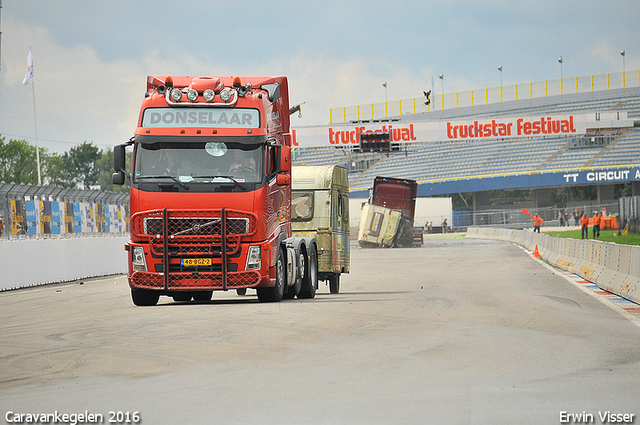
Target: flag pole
(28,78)
(35,120)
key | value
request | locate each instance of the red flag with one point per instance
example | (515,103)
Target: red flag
(525,211)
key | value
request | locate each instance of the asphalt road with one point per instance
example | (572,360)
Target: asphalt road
(455,332)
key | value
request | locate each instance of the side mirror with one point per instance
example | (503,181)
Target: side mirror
(285,159)
(119,164)
(283,179)
(118,178)
(119,158)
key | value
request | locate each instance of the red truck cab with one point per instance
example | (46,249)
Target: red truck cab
(211,192)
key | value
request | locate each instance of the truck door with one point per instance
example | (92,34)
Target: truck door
(340,213)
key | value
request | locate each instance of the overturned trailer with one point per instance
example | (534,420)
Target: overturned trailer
(387,219)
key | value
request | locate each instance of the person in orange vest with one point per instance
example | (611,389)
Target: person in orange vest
(537,221)
(584,222)
(596,224)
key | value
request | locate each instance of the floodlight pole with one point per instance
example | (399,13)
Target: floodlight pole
(622,53)
(561,84)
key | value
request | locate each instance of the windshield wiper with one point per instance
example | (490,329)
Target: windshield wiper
(221,177)
(175,179)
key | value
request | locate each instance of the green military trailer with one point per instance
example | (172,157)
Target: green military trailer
(320,209)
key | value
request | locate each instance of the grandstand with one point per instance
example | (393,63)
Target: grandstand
(477,165)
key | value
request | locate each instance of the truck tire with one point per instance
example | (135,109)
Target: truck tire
(294,289)
(182,296)
(202,296)
(310,281)
(275,293)
(334,283)
(144,297)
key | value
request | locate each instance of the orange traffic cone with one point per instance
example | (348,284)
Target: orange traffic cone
(536,254)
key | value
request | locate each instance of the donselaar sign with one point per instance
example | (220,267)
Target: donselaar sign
(425,131)
(201,118)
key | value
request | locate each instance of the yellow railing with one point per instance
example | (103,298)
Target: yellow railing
(615,80)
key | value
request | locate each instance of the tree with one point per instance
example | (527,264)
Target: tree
(82,163)
(18,162)
(58,172)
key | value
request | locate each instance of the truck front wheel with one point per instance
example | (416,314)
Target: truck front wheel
(144,297)
(275,293)
(202,296)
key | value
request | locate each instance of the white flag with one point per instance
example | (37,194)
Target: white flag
(28,76)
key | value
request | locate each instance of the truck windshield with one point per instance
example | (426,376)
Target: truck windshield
(212,160)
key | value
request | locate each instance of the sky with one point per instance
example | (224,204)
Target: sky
(91,58)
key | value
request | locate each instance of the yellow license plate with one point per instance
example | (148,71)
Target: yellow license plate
(196,261)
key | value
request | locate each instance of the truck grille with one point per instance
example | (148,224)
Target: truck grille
(184,225)
(173,235)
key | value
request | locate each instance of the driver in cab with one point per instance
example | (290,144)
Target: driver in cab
(242,164)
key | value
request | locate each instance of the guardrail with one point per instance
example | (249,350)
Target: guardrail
(503,93)
(613,267)
(34,262)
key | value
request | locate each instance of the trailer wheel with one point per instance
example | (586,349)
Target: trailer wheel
(275,293)
(334,283)
(310,281)
(144,297)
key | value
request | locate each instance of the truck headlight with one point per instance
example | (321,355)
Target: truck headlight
(254,258)
(137,259)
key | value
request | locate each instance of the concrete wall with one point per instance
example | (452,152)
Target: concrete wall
(613,267)
(31,262)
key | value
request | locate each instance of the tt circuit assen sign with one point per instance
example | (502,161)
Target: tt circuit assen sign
(524,181)
(530,180)
(436,131)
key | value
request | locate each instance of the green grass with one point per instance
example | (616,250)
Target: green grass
(605,236)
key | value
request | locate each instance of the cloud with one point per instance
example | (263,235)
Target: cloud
(90,78)
(78,97)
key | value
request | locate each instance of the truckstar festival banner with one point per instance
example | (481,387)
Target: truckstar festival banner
(344,134)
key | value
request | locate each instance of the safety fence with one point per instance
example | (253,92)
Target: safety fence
(28,211)
(569,85)
(613,267)
(629,207)
(515,218)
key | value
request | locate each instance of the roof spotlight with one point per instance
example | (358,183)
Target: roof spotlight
(208,95)
(192,95)
(225,94)
(176,95)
